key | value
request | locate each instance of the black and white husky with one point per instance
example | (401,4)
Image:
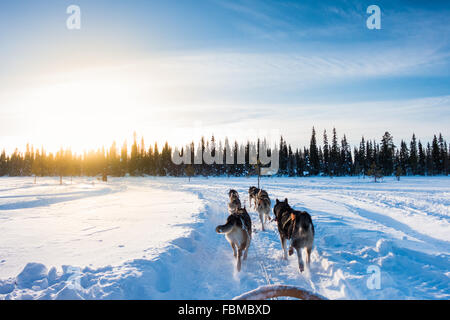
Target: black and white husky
(235,202)
(297,227)
(263,206)
(238,232)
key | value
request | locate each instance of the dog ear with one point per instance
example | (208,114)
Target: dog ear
(278,201)
(285,200)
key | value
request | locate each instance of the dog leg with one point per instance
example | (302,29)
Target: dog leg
(283,246)
(234,249)
(262,220)
(308,254)
(246,249)
(300,262)
(239,259)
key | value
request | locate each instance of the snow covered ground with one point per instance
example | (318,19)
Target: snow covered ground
(154,238)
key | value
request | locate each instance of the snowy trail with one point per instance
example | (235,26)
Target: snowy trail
(351,236)
(403,228)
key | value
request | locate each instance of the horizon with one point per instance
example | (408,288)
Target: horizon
(271,143)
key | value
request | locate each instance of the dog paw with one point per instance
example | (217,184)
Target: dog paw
(301,267)
(291,251)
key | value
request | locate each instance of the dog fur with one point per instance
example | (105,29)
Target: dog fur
(252,193)
(297,227)
(263,207)
(235,202)
(238,232)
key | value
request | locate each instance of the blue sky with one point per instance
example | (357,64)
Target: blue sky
(178,69)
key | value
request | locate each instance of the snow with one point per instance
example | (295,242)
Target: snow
(154,238)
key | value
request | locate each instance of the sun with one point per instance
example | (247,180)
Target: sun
(82,110)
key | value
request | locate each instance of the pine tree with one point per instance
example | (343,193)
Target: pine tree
(429,161)
(357,168)
(283,157)
(3,164)
(166,161)
(334,155)
(227,149)
(362,156)
(291,162)
(114,161)
(422,162)
(436,157)
(443,157)
(36,167)
(326,154)
(124,159)
(314,155)
(387,154)
(413,156)
(404,158)
(345,157)
(133,161)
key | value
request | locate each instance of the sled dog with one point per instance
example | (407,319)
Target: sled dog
(235,202)
(238,232)
(297,227)
(263,207)
(252,193)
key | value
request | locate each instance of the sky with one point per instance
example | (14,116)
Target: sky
(176,70)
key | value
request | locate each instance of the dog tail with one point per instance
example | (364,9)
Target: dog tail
(305,222)
(224,228)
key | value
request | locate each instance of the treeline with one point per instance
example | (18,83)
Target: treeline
(331,158)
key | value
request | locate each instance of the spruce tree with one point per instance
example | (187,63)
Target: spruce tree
(314,154)
(3,164)
(404,158)
(387,154)
(422,162)
(124,159)
(133,161)
(413,156)
(326,154)
(443,157)
(362,157)
(429,161)
(436,156)
(334,155)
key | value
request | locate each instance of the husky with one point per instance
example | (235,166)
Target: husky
(235,202)
(252,193)
(233,193)
(238,232)
(263,207)
(297,227)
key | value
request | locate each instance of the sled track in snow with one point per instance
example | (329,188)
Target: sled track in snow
(348,240)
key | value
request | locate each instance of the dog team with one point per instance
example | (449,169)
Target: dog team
(293,225)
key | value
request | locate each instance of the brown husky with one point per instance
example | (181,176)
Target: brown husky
(263,207)
(238,232)
(235,202)
(252,193)
(297,227)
